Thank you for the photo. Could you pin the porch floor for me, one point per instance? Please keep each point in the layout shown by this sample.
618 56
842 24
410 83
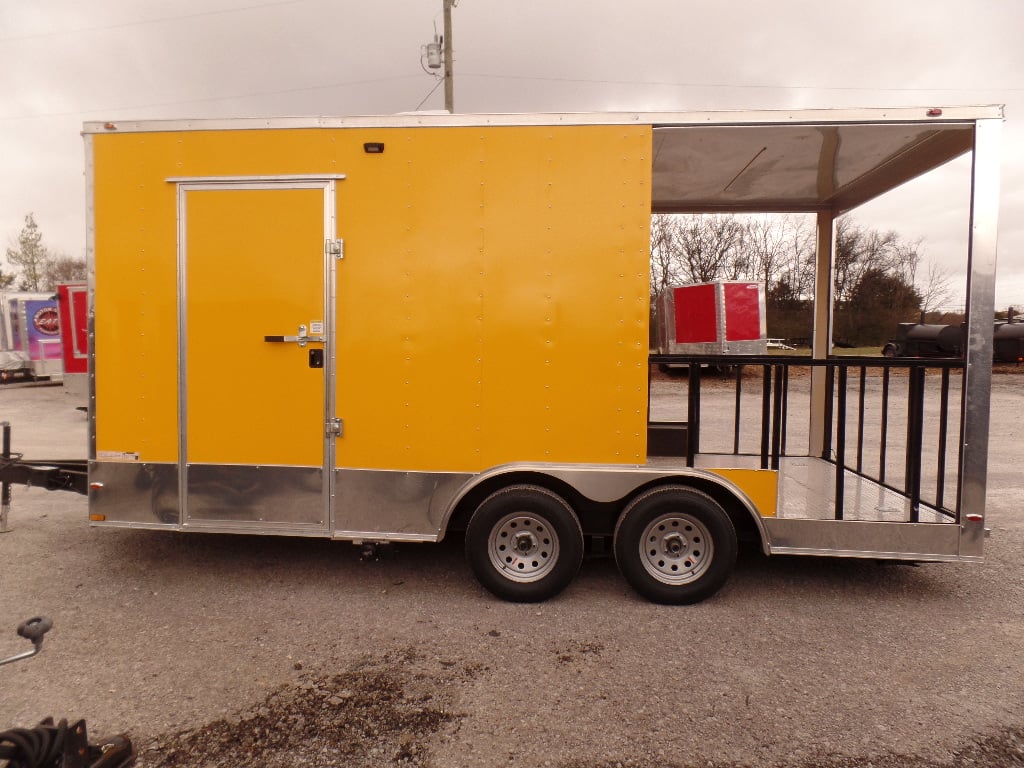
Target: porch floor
807 490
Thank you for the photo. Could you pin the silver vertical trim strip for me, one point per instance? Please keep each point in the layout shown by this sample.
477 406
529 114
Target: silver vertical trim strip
762 310
182 366
821 342
330 298
90 264
720 329
981 272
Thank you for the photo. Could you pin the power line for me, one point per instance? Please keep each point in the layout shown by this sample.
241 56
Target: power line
144 22
436 86
210 99
732 85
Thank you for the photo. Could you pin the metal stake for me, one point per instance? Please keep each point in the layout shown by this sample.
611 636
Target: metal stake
5 487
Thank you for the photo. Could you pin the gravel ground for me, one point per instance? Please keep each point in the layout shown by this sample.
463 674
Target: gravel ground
213 650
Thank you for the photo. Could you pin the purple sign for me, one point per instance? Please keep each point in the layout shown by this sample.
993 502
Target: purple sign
42 328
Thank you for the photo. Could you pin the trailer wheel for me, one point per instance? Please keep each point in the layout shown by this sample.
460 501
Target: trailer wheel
889 350
524 543
675 545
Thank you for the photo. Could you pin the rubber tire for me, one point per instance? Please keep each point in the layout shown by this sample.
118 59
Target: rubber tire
539 502
662 501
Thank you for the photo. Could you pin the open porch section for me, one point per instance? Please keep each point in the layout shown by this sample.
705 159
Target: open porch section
886 480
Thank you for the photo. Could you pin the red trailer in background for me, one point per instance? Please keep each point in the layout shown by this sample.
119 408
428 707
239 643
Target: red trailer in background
73 306
719 318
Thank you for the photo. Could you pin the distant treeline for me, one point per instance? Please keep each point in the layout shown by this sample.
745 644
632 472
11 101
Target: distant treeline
880 279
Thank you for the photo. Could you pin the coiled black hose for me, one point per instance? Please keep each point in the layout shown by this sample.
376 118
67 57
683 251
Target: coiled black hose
39 747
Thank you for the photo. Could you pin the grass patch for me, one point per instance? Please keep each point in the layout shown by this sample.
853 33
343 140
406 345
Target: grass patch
857 351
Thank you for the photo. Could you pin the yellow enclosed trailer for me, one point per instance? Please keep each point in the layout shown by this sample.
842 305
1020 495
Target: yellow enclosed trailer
383 329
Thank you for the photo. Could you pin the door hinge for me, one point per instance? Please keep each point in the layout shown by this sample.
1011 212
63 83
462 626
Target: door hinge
335 428
335 248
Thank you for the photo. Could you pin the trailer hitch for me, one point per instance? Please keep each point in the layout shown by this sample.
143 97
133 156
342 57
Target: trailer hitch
61 475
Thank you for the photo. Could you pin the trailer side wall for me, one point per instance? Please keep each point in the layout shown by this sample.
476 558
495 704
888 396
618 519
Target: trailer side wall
492 303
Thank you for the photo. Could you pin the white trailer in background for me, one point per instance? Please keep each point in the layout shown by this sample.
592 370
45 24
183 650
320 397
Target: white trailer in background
30 344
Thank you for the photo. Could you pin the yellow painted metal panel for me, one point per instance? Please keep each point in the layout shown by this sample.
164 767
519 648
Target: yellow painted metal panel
493 301
254 266
136 306
492 305
760 485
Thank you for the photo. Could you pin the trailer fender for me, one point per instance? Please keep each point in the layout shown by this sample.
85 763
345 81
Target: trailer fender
604 484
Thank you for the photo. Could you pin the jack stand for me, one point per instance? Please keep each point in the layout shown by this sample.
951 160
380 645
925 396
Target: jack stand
5 487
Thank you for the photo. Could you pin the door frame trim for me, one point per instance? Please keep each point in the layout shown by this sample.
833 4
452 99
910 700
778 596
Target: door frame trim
328 184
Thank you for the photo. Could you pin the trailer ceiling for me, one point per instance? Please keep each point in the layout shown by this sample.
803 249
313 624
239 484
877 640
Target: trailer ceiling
794 167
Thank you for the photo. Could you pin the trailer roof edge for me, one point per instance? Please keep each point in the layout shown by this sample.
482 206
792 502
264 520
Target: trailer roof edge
655 119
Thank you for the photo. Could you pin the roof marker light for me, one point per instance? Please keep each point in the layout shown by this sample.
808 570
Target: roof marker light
934 112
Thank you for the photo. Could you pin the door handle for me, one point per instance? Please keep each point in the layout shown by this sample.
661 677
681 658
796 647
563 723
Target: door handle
302 339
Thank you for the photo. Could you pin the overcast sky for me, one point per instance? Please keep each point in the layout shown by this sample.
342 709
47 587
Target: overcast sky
63 62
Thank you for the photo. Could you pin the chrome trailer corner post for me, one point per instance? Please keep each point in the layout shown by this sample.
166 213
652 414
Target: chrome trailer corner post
90 266
821 342
981 271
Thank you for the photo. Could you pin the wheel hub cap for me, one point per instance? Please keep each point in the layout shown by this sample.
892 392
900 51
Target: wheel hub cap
674 544
676 548
523 546
524 543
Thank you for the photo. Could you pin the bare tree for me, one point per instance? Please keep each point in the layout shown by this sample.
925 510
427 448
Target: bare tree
700 248
875 273
875 276
905 258
664 253
61 268
29 256
860 251
766 248
801 240
710 247
934 289
40 269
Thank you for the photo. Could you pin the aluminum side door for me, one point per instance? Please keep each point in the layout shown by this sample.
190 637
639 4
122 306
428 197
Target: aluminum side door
255 354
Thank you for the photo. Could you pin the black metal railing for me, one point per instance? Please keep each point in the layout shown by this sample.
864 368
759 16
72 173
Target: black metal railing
848 439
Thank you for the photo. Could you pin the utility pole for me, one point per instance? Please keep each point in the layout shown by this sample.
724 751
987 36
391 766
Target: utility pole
449 84
433 55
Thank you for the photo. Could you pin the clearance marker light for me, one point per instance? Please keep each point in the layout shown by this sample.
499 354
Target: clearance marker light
95 517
